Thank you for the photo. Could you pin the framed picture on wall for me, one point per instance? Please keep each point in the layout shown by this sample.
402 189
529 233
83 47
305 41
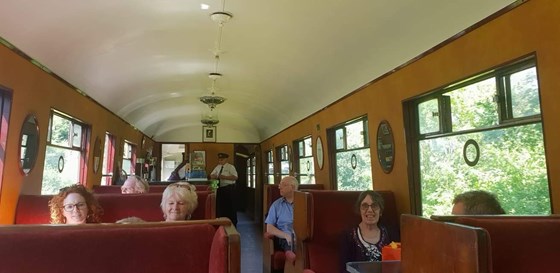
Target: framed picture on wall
198 159
208 133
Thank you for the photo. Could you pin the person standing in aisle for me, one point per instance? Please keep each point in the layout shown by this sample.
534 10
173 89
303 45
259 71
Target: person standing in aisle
225 199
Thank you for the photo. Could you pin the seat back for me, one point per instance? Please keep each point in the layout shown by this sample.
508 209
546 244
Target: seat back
117 189
193 246
34 209
521 244
439 247
98 189
311 187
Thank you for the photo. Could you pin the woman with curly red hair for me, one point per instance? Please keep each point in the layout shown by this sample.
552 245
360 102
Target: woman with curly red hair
75 205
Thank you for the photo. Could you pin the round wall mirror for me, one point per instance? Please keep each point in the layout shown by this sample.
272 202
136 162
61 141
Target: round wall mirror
29 144
385 146
96 154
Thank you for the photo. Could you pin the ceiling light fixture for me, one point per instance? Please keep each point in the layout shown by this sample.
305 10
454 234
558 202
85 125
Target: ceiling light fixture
210 118
221 17
213 100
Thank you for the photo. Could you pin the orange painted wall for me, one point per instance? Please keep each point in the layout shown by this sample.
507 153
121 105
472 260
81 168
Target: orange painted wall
531 27
36 92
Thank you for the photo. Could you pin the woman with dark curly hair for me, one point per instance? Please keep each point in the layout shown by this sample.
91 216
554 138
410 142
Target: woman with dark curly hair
75 205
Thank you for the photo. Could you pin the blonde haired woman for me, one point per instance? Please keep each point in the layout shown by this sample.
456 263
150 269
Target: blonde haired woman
178 201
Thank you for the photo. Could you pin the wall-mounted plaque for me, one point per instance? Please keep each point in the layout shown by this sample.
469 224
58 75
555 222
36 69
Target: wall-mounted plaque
385 146
29 144
319 152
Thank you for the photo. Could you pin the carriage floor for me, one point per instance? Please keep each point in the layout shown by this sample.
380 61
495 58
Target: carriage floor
251 244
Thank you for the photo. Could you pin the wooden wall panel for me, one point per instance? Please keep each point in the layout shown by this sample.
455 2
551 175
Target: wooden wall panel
510 36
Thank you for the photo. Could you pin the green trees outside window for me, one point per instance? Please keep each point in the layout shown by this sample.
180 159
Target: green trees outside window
500 112
353 160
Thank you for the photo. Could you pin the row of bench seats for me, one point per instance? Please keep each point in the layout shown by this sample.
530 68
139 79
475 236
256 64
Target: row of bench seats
498 244
493 244
153 188
34 209
211 246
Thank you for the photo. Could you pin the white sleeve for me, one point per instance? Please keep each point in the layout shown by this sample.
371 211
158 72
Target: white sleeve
215 171
232 170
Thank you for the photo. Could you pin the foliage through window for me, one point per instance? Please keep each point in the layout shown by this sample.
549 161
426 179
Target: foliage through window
269 168
283 159
500 111
353 160
65 153
305 165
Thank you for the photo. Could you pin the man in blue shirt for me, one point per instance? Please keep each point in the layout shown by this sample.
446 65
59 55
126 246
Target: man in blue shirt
280 219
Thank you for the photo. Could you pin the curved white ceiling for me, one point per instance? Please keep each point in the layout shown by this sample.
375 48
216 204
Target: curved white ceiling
148 60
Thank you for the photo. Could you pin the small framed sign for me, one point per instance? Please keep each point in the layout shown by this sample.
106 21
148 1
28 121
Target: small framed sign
208 133
385 146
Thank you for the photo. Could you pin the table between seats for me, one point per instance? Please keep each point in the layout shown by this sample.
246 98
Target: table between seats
374 267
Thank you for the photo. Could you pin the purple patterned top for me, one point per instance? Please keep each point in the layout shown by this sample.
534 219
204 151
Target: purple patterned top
355 248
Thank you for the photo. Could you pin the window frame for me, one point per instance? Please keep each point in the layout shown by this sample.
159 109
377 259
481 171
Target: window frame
298 156
269 157
109 157
84 140
332 145
504 110
282 157
132 150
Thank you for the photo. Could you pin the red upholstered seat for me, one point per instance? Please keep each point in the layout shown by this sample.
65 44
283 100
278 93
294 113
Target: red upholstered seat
151 248
153 188
34 209
521 244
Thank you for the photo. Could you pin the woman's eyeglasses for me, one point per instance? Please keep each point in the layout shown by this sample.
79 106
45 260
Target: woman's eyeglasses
365 206
70 207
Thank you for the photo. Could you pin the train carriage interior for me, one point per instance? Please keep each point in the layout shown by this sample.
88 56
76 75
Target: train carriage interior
425 103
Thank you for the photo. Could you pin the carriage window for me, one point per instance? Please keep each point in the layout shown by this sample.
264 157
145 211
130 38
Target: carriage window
428 116
305 166
251 175
493 141
270 167
108 160
353 160
282 154
523 93
65 154
129 158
